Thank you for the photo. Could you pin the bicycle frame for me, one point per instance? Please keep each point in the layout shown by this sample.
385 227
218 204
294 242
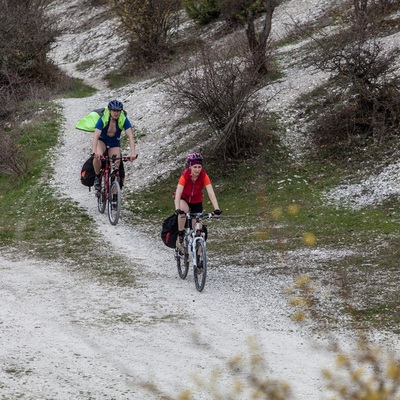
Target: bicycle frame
195 248
105 172
110 194
195 234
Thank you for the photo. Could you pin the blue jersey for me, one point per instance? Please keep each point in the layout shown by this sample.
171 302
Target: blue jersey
113 141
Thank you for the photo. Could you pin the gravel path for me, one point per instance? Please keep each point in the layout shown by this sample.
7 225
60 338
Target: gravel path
67 337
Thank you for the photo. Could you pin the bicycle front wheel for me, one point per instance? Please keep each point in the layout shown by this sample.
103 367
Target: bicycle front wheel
114 203
101 196
182 260
200 270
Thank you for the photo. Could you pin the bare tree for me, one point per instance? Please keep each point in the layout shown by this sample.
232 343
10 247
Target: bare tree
368 88
26 35
220 87
256 17
258 40
149 26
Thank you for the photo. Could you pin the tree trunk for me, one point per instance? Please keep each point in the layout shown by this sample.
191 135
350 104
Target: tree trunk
258 40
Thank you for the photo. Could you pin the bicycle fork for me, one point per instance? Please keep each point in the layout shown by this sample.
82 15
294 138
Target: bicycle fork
192 245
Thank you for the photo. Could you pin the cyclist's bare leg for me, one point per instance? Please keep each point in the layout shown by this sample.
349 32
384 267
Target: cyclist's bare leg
101 148
117 152
182 218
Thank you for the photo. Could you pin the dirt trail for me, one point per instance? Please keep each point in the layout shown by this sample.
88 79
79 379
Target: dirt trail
65 336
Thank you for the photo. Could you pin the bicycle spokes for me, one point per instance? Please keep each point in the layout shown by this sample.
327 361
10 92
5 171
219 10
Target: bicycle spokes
195 249
101 197
200 267
114 203
182 259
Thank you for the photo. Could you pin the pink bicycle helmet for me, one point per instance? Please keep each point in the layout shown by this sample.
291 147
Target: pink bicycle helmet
194 158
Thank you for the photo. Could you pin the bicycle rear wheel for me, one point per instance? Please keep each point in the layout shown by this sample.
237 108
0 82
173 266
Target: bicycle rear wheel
200 270
114 203
101 196
182 260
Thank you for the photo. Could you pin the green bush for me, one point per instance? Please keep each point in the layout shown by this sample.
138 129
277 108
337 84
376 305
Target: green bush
235 12
202 11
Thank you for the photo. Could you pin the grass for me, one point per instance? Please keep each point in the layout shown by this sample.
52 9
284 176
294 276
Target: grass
79 89
85 65
273 210
115 79
37 222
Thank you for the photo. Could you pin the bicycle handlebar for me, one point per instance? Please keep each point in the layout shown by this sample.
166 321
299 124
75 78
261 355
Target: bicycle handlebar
123 158
201 215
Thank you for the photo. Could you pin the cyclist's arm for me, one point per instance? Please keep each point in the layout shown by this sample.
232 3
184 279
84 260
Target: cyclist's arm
131 138
178 194
211 196
96 135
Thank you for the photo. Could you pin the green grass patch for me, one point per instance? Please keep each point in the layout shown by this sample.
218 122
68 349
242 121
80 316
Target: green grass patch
37 222
117 79
272 208
85 65
78 89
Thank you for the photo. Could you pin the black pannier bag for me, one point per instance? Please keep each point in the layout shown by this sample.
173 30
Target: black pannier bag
169 231
87 173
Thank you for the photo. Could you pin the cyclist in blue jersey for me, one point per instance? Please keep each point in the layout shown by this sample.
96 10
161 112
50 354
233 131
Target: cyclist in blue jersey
107 136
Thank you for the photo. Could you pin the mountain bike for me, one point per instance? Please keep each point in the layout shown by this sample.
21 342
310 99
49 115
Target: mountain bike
194 249
110 193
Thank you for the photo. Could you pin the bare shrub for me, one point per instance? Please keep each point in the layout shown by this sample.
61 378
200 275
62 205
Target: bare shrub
374 6
26 34
149 26
366 373
220 87
365 107
12 161
363 372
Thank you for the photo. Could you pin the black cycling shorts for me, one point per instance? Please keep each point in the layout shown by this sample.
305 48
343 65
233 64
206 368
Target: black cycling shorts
195 207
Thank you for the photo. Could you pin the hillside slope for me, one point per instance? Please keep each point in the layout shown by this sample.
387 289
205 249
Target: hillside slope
68 336
96 41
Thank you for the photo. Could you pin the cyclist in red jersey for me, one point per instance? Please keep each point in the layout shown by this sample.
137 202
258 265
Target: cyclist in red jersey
189 192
